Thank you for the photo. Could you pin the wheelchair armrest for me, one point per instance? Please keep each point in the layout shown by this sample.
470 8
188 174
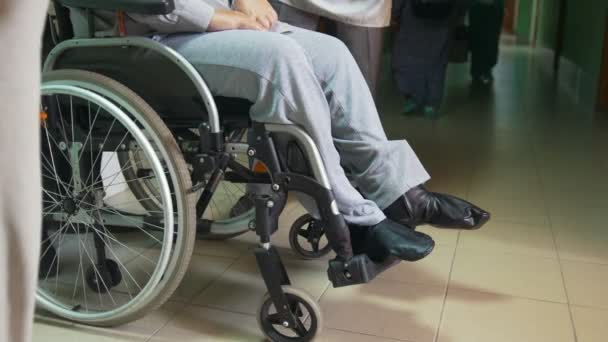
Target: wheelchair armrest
151 7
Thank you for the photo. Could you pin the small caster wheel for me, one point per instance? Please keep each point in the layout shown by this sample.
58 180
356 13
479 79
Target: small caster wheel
307 238
309 321
101 278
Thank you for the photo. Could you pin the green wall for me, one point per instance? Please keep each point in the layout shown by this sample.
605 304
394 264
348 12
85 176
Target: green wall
547 25
584 37
523 28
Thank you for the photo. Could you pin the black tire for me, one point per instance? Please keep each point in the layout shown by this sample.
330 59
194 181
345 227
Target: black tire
298 299
296 231
179 178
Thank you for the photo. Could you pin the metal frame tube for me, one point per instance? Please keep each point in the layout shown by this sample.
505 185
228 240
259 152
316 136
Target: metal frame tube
146 43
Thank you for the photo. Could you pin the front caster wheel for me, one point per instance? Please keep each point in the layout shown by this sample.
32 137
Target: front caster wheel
307 238
308 318
102 278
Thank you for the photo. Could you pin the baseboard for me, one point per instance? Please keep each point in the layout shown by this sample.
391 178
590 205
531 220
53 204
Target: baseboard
579 84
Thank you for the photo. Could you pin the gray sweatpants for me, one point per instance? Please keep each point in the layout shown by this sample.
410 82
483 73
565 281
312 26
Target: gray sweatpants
311 80
364 43
21 23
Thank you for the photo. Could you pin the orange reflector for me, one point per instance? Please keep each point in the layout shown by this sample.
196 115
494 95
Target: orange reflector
43 116
122 27
259 167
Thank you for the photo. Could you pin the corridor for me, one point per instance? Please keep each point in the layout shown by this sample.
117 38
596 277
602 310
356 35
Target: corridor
538 272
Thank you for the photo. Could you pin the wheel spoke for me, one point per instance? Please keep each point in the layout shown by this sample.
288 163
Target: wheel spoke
299 329
106 233
100 153
65 136
315 246
304 233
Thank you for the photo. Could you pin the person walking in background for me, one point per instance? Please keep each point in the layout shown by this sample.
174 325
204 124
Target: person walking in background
360 24
421 51
21 23
485 20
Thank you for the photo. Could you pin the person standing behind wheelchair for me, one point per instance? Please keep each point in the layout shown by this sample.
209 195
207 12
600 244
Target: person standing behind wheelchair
21 24
485 18
422 50
359 24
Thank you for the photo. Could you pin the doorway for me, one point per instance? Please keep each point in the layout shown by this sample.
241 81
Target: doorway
508 25
602 95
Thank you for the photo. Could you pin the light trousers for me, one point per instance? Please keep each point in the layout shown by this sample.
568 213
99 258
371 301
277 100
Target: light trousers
21 23
311 80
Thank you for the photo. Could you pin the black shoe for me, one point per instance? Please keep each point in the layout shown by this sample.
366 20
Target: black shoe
420 206
483 80
388 238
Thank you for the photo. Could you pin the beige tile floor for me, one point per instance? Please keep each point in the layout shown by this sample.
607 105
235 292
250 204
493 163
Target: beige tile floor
537 273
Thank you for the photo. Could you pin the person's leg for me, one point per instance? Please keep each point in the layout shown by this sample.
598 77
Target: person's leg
384 171
498 18
365 44
274 72
21 23
486 25
409 64
436 84
476 25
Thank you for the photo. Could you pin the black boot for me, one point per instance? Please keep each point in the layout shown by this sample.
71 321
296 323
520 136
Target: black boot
390 238
420 206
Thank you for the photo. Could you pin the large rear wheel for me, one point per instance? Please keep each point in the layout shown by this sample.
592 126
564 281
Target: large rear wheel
108 259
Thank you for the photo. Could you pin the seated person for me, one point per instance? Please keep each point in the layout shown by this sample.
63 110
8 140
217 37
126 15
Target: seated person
301 77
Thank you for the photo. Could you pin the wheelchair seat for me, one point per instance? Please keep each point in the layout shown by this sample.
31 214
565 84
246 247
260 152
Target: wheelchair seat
169 91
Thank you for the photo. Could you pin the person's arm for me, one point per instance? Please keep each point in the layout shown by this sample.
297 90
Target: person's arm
197 16
260 10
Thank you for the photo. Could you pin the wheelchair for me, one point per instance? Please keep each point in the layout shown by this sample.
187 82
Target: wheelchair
139 159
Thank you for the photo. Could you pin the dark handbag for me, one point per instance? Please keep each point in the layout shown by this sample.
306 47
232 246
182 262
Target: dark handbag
459 47
433 9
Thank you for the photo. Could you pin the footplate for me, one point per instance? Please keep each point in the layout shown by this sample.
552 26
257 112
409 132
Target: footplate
358 270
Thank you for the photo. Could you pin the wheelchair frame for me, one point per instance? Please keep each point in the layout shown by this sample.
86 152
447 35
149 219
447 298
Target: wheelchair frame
346 269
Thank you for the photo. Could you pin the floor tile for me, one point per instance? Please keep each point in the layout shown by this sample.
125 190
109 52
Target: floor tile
46 332
584 241
509 274
333 335
590 324
586 283
140 329
524 208
231 248
471 316
241 287
202 272
432 270
444 237
510 237
197 324
388 309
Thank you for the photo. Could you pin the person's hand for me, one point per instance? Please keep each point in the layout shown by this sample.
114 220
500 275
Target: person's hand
260 10
224 20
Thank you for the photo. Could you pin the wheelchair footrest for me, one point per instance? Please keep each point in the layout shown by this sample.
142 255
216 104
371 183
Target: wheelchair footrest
358 270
